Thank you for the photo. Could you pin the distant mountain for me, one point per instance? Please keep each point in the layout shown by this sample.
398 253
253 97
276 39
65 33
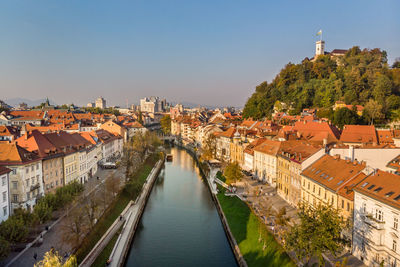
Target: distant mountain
16 101
192 105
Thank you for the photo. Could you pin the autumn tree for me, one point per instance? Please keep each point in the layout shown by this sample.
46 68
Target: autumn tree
233 173
209 149
91 205
166 124
112 185
373 111
53 259
74 227
318 232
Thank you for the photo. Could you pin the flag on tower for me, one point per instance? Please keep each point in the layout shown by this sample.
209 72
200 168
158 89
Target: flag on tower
319 33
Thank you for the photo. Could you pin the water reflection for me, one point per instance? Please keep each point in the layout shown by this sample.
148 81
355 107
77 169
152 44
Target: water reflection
180 225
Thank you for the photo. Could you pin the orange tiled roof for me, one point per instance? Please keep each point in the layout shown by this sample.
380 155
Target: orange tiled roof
333 172
37 143
382 186
313 129
228 133
268 147
11 153
359 134
298 150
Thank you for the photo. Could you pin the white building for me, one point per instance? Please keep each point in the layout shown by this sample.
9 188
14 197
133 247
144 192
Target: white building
26 177
376 230
265 161
100 103
152 104
5 193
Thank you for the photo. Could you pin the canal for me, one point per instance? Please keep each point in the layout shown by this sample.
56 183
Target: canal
180 225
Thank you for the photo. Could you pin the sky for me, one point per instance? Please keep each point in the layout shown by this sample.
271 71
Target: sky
209 52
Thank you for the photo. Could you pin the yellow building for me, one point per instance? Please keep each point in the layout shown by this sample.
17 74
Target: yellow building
293 157
329 181
237 146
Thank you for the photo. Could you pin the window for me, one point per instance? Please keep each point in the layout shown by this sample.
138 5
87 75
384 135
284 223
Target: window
28 195
37 178
3 181
27 182
15 198
379 215
26 169
37 166
15 185
4 196
313 189
394 245
325 195
319 191
364 207
342 204
14 170
5 211
32 167
396 223
348 206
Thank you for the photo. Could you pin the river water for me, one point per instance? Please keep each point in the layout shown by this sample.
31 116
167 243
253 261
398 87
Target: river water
180 225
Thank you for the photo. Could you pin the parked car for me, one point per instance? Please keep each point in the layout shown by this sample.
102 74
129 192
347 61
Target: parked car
109 165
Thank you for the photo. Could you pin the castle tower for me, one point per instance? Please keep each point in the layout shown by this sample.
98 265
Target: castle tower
319 48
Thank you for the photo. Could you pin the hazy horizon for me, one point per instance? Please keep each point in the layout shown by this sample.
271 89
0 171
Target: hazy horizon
209 52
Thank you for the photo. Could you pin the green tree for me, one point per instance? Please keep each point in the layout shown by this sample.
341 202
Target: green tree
166 124
4 248
345 116
233 173
318 232
43 211
325 113
14 229
140 117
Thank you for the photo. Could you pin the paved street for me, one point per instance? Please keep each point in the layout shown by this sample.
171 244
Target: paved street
260 196
53 238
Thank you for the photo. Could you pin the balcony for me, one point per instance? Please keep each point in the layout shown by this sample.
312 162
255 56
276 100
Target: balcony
36 186
373 222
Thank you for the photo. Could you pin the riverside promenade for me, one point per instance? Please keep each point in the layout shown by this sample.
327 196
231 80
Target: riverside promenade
132 216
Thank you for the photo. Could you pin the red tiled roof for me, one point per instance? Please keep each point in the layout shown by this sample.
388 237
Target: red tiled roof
359 134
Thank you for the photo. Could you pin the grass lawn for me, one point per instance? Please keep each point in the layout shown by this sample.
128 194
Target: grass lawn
105 254
246 228
113 211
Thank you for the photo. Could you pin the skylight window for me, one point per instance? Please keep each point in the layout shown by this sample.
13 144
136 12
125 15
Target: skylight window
378 189
389 194
318 172
397 198
364 184
330 178
340 182
372 186
322 174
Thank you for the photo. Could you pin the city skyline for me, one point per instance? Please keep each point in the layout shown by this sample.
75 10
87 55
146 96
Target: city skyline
204 53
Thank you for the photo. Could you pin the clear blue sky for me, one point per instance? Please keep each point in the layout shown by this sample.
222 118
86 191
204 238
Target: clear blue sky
208 52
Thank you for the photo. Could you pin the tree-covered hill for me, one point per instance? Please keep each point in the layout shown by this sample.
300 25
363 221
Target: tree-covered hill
355 78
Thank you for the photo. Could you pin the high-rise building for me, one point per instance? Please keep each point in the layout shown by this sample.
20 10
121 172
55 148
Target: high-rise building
152 104
100 103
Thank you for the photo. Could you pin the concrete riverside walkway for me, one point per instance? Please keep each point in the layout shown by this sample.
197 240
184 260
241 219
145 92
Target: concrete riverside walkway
130 217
